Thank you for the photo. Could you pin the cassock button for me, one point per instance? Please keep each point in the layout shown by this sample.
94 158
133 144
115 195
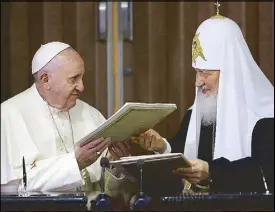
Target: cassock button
61 148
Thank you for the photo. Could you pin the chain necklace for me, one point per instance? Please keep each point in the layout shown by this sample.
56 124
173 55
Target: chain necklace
72 132
84 172
213 139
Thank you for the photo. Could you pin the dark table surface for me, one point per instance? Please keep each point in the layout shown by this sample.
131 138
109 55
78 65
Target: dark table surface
51 201
184 202
219 202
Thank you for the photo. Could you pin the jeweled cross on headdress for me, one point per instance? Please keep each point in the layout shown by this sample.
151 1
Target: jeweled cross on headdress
217 4
217 16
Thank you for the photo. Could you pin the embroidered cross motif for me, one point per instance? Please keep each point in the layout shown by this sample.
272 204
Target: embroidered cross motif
197 49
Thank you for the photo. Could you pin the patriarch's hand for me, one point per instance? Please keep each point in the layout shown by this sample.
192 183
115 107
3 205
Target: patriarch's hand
197 173
151 141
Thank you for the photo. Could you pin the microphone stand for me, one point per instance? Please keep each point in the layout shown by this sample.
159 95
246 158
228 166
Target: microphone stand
143 201
102 202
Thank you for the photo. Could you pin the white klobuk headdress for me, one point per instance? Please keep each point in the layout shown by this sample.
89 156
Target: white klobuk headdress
245 95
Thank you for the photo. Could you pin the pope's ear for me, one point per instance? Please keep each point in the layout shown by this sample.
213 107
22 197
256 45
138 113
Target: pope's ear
44 78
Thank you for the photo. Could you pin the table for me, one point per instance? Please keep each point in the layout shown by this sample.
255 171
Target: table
44 202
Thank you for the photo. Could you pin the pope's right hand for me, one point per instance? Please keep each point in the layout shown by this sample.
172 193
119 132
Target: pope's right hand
90 152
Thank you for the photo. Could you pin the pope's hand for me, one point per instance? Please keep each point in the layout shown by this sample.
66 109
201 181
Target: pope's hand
90 152
197 173
119 149
151 141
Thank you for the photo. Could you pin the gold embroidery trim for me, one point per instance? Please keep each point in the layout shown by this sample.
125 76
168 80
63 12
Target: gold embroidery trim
218 17
197 49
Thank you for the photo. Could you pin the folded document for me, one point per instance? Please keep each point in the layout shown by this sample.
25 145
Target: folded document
154 165
130 120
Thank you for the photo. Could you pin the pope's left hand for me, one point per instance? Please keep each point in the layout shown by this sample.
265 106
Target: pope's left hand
151 141
196 174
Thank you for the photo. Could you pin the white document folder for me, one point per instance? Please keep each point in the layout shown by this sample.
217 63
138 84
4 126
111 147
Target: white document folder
130 120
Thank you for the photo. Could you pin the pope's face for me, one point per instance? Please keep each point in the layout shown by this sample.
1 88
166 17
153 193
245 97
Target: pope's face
65 83
208 80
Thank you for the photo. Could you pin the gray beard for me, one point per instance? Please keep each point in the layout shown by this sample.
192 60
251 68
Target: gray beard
207 107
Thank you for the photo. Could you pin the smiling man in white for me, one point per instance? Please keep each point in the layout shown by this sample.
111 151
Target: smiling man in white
43 123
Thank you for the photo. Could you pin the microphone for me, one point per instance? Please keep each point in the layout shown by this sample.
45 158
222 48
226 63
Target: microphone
142 202
264 181
103 201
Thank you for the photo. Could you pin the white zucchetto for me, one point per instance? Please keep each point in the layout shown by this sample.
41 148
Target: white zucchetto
46 53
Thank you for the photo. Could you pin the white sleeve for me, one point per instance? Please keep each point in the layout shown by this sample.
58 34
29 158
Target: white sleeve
168 147
58 173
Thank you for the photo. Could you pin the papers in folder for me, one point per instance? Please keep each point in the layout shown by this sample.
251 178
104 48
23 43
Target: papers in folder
154 165
130 120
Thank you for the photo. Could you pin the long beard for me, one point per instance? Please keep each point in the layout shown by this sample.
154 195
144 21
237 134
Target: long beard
207 107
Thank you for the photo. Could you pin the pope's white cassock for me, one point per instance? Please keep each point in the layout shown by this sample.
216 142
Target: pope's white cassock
27 129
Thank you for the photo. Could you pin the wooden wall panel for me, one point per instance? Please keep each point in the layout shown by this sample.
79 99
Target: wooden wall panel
128 79
36 31
53 21
141 51
85 46
204 9
100 62
5 52
157 69
250 28
157 52
180 74
19 39
266 39
159 55
190 26
69 20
